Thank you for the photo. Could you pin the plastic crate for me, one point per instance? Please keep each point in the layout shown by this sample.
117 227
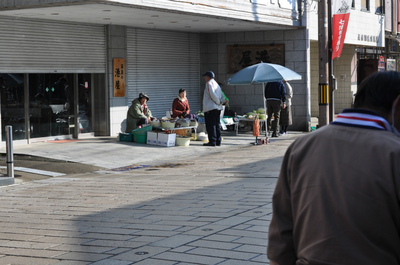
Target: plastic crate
125 137
143 130
140 138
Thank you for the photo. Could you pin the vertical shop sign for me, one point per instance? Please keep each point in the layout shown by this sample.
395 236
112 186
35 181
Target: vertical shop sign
119 77
390 64
381 63
340 20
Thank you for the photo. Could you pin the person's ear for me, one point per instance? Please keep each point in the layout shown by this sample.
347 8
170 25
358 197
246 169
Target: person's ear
396 114
396 105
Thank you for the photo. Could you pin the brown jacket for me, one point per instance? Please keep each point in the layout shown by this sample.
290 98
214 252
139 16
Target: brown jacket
179 107
337 199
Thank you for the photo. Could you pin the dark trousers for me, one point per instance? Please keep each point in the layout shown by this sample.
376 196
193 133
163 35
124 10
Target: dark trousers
212 119
273 108
141 121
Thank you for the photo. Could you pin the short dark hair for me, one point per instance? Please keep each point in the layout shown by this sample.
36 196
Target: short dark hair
182 90
378 91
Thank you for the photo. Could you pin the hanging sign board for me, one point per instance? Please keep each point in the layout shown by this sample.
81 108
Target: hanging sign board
391 65
119 77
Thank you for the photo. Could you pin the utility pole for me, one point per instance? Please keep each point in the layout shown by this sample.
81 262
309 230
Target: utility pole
332 79
323 85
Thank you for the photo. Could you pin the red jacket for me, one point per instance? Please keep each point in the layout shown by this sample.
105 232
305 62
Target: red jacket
179 107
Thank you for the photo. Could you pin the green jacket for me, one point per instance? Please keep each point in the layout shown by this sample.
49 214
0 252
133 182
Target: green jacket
135 113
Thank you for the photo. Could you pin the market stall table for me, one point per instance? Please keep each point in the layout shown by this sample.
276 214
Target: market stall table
262 124
183 128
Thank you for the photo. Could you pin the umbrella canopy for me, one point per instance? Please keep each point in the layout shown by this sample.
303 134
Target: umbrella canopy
263 73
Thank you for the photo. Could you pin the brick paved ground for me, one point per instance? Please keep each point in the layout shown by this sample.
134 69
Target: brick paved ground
214 209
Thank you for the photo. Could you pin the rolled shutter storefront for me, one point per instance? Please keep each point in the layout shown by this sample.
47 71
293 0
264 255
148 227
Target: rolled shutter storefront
40 46
160 63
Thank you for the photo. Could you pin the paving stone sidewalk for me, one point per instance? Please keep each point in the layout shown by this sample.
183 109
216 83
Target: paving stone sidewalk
211 209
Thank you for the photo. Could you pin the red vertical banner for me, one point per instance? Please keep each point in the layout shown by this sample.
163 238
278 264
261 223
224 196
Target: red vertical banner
398 16
381 63
340 20
119 77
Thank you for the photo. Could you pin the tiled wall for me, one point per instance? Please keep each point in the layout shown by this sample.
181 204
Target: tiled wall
345 71
118 105
245 98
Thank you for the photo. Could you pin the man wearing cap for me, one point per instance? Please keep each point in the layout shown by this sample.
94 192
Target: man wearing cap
213 99
138 113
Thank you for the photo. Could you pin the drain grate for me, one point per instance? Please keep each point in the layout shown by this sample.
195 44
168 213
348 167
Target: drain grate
167 165
173 165
128 168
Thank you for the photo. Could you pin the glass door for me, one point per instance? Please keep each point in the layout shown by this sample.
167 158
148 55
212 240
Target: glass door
85 120
46 105
12 104
51 101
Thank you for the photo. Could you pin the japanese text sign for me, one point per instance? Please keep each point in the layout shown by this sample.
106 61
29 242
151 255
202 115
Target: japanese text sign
119 77
242 56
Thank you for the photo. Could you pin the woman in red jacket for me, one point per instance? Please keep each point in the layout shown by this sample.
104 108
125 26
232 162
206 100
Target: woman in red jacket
180 106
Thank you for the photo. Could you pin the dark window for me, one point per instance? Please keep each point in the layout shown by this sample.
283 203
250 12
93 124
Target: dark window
364 5
379 7
12 104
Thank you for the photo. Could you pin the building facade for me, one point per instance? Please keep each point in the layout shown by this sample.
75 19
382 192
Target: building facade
365 32
72 68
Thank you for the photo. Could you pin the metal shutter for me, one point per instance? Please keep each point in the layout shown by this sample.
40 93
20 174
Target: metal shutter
33 46
159 63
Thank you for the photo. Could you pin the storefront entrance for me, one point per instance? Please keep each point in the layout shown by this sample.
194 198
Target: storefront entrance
50 105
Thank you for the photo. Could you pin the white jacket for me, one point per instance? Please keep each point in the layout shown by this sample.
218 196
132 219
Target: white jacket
213 97
289 94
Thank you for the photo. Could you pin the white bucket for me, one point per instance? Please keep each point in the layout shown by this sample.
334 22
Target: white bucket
156 123
182 141
167 125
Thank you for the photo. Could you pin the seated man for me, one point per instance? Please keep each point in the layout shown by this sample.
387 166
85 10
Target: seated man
138 113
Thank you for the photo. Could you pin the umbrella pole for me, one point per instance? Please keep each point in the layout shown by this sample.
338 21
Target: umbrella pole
265 112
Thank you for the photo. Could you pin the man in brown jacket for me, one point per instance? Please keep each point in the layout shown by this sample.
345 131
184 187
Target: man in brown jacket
337 199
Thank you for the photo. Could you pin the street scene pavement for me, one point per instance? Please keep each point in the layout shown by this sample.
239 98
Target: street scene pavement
120 203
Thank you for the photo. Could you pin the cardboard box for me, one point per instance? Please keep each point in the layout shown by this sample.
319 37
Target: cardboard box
152 138
166 139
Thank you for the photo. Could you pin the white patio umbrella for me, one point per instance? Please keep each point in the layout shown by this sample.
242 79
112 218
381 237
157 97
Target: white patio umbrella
262 73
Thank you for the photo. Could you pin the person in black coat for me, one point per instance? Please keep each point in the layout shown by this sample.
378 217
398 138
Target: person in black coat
275 94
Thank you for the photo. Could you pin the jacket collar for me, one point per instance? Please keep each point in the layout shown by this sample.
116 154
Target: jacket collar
362 118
